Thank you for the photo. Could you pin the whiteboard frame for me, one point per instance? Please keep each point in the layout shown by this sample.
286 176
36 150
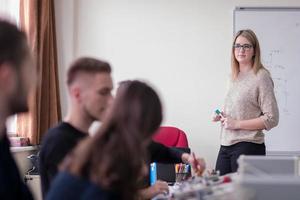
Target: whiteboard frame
261 9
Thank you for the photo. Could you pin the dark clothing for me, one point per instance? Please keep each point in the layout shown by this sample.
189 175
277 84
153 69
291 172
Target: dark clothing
58 142
163 154
11 185
67 186
228 155
160 153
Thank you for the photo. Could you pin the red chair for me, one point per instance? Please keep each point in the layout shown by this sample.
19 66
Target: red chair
171 137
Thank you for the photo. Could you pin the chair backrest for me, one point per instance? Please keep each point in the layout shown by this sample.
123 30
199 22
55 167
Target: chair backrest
171 137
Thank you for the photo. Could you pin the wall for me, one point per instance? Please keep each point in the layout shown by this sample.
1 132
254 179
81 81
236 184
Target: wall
182 47
65 31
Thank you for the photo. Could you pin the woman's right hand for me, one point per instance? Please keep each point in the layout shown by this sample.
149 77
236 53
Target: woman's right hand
217 117
160 187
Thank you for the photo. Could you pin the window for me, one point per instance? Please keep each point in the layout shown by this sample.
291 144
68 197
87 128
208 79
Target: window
9 9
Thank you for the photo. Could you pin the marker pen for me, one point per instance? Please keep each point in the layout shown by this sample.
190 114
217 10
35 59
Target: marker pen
218 112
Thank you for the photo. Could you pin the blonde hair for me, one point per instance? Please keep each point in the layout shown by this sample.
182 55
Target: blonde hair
256 60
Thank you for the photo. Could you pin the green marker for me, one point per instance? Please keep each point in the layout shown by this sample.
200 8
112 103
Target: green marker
218 112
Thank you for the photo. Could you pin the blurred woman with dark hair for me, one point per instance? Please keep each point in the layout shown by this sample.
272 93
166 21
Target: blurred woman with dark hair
110 164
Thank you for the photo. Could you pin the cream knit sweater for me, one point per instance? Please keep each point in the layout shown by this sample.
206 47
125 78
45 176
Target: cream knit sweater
250 96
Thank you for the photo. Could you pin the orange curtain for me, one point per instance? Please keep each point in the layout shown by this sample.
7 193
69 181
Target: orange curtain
37 19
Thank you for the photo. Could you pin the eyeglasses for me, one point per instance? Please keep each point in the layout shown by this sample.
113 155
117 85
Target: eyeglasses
245 47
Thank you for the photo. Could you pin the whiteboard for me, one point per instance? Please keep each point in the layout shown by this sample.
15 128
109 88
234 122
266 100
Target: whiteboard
278 32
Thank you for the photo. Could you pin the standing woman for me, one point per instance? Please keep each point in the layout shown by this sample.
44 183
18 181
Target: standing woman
109 165
250 104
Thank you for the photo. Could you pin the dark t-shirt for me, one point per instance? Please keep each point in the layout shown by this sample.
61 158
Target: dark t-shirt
11 184
58 142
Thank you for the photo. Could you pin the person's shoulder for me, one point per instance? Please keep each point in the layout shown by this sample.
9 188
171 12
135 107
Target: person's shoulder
65 176
58 130
263 73
94 191
57 133
264 78
67 185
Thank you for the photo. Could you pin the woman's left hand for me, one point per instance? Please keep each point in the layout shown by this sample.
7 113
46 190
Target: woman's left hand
230 123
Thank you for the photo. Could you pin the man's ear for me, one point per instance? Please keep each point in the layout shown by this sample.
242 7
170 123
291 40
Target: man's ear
75 93
8 77
5 71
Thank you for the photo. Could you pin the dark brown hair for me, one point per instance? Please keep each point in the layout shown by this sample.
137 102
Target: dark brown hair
13 44
115 156
87 65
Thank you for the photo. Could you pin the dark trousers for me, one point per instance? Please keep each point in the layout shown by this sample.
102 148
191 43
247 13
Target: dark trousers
228 155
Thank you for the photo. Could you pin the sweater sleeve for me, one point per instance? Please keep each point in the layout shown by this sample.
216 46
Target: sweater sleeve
160 153
267 101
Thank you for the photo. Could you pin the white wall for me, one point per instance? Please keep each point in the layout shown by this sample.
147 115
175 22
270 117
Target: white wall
65 36
181 46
